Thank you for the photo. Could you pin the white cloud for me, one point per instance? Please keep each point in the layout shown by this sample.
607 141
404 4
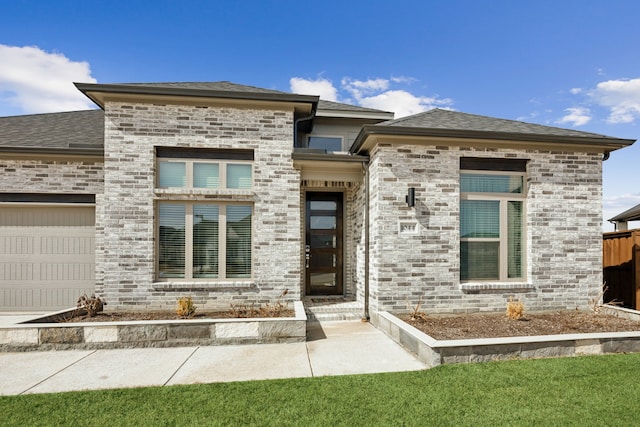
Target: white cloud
40 82
403 103
576 116
320 87
361 88
379 93
575 90
621 97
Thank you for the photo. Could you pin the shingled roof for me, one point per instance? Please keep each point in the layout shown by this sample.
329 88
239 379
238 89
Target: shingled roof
81 132
454 124
632 214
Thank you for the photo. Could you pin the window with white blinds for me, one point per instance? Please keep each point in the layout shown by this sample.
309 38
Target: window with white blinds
190 173
204 240
492 223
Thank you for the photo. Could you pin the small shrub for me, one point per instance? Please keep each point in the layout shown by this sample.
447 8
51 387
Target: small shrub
414 311
186 308
277 308
92 304
515 309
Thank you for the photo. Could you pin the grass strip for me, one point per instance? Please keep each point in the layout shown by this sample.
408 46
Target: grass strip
596 390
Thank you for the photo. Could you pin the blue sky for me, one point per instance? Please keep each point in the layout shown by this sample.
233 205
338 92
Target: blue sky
566 63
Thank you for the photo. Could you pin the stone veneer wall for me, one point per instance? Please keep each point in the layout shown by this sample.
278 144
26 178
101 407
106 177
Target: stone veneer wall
563 231
125 215
51 176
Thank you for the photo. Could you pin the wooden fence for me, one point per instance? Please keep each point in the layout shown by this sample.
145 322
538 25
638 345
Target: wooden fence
621 266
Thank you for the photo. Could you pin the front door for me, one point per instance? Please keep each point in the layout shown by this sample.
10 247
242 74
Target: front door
323 250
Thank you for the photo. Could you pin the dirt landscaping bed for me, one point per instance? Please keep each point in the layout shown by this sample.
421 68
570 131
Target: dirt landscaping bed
494 325
126 316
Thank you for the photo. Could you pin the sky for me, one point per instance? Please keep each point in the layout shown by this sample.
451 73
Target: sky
566 63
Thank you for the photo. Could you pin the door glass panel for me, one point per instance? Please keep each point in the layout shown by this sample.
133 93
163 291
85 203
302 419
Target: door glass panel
323 260
323 205
323 279
323 241
322 222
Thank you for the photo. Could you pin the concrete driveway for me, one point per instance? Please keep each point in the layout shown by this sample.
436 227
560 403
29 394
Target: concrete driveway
332 348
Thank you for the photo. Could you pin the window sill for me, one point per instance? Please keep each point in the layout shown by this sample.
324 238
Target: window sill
495 287
207 286
207 194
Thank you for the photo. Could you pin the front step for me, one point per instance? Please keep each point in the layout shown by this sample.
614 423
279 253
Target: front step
332 308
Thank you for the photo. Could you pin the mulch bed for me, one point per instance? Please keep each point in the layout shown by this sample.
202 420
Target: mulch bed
493 325
123 316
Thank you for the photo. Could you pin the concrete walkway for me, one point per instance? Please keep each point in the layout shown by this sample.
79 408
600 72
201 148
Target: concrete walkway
332 348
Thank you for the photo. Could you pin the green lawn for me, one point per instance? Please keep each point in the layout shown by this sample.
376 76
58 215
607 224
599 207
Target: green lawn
586 391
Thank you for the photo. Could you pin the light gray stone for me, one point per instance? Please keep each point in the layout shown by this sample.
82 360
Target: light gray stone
237 330
19 336
93 334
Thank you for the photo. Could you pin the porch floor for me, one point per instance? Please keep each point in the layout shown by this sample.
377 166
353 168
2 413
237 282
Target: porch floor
327 308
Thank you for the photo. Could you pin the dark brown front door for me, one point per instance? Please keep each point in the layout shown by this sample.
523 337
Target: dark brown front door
323 250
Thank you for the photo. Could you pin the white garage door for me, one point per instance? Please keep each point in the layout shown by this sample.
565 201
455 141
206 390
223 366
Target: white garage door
47 256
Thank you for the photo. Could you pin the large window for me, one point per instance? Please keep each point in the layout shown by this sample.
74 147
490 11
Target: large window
204 240
200 239
328 143
492 220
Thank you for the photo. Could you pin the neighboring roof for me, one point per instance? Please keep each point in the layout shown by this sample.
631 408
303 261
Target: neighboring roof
632 214
453 124
223 89
338 109
79 132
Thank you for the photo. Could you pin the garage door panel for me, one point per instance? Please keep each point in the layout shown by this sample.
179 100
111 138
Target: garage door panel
48 256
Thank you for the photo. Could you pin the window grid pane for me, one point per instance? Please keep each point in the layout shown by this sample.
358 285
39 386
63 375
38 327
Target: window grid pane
172 174
238 176
514 239
479 219
479 183
205 241
172 240
238 241
479 260
206 175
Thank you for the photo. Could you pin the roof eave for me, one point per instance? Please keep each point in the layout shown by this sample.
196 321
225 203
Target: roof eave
95 93
608 144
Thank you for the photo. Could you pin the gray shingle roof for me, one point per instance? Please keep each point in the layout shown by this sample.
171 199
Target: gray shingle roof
223 86
339 106
452 124
80 131
446 119
632 214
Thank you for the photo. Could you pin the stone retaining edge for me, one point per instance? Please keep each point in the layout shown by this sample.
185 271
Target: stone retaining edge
434 352
156 333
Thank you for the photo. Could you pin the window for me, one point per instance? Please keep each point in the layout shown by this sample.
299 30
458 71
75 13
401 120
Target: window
204 240
199 239
180 167
328 143
179 173
492 219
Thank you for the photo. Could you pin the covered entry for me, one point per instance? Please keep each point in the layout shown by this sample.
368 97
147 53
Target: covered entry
47 255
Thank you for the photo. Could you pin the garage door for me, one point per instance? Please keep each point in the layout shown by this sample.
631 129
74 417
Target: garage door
47 256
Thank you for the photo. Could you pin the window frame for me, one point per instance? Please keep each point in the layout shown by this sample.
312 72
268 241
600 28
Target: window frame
189 176
188 241
503 247
340 137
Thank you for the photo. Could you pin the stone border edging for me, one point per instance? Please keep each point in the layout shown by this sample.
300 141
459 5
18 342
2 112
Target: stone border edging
434 352
153 333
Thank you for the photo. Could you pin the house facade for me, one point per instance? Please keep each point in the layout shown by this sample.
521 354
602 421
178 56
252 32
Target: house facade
233 194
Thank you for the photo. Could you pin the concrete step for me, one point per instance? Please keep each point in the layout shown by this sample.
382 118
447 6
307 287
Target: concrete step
327 309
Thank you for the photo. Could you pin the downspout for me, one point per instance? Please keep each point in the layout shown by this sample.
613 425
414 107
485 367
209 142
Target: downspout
297 121
366 316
